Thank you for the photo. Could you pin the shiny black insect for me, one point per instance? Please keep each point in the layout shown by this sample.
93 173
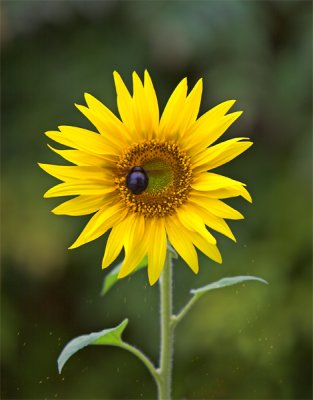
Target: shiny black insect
137 180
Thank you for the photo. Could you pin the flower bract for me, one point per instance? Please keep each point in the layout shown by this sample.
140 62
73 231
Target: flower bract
146 178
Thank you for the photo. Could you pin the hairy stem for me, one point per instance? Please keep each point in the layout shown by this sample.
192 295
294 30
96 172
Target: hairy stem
167 331
177 318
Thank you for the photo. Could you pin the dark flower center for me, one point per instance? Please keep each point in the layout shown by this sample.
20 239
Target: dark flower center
153 178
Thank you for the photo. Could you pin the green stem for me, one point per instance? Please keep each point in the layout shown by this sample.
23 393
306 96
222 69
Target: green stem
167 339
177 318
143 358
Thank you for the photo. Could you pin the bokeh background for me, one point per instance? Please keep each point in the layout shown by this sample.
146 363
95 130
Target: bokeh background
246 342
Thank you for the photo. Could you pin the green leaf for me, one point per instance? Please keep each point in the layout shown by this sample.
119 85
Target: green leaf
110 337
112 277
197 293
234 280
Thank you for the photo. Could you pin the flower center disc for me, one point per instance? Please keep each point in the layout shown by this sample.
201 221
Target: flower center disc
170 176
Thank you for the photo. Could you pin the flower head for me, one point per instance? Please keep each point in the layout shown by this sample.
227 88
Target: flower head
147 178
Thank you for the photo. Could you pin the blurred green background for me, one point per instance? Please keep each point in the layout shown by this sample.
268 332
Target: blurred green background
246 342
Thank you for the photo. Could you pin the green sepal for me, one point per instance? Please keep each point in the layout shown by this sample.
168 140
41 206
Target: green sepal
234 280
112 277
110 337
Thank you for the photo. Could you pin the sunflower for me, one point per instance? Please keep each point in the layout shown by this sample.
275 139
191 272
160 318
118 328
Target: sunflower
147 179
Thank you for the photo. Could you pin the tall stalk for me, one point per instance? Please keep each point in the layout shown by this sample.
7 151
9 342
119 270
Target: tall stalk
167 331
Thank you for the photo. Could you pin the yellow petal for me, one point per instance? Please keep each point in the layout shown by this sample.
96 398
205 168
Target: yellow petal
79 188
84 159
115 241
212 221
205 135
110 137
135 243
70 173
210 181
205 155
113 126
227 187
102 221
142 116
210 250
220 154
193 222
156 248
136 231
152 101
192 107
124 102
216 207
81 205
226 193
181 243
81 139
172 111
130 264
211 116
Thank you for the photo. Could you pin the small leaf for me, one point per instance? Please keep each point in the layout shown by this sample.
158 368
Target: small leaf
234 280
112 277
197 293
110 337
